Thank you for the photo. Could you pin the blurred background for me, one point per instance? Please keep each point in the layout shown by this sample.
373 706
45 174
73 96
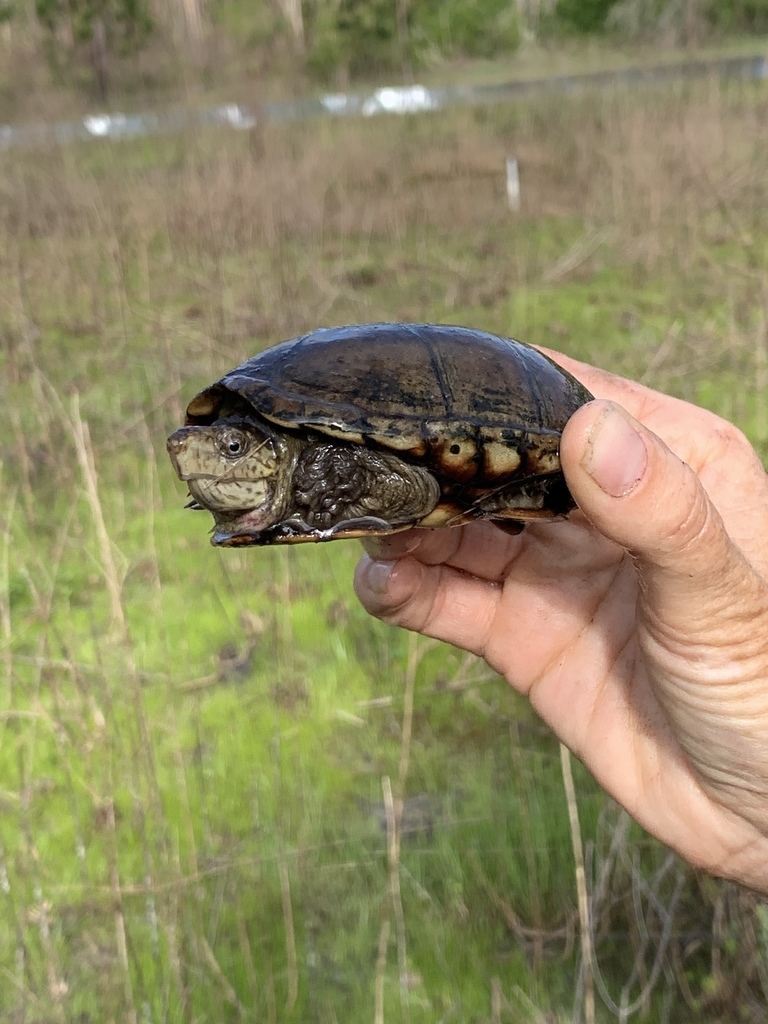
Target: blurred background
227 795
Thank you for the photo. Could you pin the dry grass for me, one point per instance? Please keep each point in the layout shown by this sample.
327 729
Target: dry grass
182 735
251 226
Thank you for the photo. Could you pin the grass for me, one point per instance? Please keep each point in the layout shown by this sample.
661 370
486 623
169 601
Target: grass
202 754
582 56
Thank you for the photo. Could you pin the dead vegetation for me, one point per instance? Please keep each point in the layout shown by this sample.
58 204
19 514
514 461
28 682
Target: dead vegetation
159 846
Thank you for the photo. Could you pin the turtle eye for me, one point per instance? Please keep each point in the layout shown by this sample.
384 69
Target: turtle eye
233 443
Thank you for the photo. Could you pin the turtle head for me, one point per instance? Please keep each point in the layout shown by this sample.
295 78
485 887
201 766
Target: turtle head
238 470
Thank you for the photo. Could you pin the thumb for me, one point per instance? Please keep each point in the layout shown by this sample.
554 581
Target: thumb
638 493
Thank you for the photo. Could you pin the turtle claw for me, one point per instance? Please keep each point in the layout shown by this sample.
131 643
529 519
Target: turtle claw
290 531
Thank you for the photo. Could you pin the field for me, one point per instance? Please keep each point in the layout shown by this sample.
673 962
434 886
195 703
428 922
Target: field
203 753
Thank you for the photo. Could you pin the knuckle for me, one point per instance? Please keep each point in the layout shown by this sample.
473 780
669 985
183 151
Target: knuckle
731 441
725 442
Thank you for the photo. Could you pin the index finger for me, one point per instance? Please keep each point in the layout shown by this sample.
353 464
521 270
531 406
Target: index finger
479 548
660 412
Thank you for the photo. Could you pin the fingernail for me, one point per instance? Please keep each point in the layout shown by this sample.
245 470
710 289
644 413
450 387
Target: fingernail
377 576
616 455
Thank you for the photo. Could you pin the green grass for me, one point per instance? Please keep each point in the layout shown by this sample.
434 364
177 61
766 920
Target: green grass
195 745
580 56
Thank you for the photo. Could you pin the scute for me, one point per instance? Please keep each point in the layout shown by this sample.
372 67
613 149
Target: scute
499 459
418 389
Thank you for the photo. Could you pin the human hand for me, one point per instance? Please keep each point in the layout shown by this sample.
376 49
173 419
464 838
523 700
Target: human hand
638 628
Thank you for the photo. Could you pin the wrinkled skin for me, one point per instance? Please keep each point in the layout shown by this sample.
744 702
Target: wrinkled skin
638 628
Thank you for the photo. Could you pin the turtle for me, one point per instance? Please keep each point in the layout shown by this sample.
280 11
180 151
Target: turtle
369 429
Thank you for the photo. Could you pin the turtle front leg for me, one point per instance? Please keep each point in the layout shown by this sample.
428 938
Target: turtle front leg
350 490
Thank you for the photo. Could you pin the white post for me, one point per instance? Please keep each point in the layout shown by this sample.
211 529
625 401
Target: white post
513 184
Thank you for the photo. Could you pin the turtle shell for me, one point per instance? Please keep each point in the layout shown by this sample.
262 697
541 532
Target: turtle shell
474 408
